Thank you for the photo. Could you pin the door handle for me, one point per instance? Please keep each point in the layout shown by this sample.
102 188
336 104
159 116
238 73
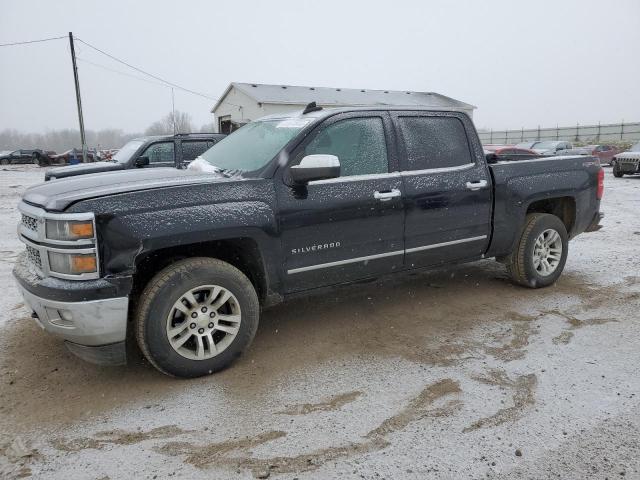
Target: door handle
386 195
480 184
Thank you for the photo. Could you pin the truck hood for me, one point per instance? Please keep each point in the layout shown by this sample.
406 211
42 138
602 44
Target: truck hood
73 170
58 195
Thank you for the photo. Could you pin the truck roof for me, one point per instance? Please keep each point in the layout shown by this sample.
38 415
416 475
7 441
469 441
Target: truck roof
326 112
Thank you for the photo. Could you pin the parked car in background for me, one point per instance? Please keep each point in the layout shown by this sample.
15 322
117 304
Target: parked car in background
74 153
145 152
550 147
526 145
574 151
510 152
107 154
604 152
627 163
36 156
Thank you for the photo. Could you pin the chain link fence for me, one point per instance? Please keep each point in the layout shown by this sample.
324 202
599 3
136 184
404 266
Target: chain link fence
619 133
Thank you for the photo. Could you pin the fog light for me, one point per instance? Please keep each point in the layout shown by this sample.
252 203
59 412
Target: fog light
72 263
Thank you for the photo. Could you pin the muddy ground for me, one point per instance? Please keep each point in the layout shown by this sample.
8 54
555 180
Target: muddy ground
445 375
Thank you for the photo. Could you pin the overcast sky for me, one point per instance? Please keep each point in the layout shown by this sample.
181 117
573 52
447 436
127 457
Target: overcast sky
521 63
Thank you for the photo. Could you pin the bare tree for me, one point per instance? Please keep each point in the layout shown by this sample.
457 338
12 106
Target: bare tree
165 126
65 139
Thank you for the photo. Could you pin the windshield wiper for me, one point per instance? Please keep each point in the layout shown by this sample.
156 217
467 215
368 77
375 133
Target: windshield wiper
230 172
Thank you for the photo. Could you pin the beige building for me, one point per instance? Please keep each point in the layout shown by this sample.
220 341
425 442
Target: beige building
243 102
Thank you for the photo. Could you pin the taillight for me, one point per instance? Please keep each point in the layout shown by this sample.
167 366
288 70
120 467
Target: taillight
600 190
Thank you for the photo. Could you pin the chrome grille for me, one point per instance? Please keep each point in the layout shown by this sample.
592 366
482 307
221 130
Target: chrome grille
34 256
30 222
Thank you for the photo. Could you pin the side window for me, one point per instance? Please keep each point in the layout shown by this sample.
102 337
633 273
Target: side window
191 149
434 142
359 144
160 152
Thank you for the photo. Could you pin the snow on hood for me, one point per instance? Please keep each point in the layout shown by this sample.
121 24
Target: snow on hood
201 165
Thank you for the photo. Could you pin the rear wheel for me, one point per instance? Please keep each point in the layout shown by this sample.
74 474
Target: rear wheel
4 161
541 252
196 317
617 172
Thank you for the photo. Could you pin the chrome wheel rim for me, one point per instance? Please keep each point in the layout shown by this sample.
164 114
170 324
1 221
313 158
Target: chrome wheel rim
547 252
203 322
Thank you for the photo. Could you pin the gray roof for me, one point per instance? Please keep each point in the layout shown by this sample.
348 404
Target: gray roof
295 95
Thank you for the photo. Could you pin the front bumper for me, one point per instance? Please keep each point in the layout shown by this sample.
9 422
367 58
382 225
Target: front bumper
95 330
628 166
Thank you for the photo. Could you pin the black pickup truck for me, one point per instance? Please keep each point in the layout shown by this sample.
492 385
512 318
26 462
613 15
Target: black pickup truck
146 152
184 260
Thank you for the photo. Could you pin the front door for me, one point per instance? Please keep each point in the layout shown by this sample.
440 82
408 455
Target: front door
447 188
160 154
350 227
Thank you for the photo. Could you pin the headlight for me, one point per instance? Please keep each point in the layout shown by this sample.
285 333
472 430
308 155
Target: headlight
72 263
69 229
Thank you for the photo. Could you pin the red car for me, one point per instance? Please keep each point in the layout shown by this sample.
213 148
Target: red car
510 152
604 152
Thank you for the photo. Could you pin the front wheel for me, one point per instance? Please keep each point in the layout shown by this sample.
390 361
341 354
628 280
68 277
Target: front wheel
617 172
196 317
541 252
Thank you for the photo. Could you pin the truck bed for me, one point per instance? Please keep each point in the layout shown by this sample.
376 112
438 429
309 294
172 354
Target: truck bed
518 184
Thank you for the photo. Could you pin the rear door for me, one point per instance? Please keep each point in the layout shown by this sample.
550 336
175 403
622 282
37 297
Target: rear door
447 188
350 227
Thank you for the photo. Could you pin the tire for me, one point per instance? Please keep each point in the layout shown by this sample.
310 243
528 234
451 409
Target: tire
164 308
35 159
522 265
616 170
4 161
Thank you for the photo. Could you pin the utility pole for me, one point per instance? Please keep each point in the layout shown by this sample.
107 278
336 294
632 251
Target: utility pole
78 100
173 111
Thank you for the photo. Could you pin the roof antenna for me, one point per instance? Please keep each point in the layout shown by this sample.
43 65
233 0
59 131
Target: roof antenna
312 107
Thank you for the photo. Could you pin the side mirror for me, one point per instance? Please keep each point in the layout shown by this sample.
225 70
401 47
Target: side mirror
315 167
142 161
491 157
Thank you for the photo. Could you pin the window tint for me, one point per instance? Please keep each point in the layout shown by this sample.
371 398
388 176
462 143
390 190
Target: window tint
160 152
359 144
191 149
434 142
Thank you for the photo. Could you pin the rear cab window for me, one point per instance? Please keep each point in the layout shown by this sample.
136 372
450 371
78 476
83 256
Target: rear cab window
434 142
194 148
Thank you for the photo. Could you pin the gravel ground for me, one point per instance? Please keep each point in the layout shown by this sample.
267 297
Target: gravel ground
442 375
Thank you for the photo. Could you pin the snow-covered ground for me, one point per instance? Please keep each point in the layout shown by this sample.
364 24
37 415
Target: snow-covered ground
450 374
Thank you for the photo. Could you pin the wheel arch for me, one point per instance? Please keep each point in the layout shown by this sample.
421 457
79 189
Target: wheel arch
562 207
242 252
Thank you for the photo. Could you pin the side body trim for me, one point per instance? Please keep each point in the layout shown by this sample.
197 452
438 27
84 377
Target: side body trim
383 255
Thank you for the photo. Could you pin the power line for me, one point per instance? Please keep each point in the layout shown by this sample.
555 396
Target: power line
165 83
122 73
31 41
146 73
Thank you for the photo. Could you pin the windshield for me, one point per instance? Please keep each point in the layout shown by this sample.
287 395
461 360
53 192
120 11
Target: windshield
544 145
126 152
635 148
253 145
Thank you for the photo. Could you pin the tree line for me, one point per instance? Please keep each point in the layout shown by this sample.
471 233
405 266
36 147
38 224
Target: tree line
65 139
